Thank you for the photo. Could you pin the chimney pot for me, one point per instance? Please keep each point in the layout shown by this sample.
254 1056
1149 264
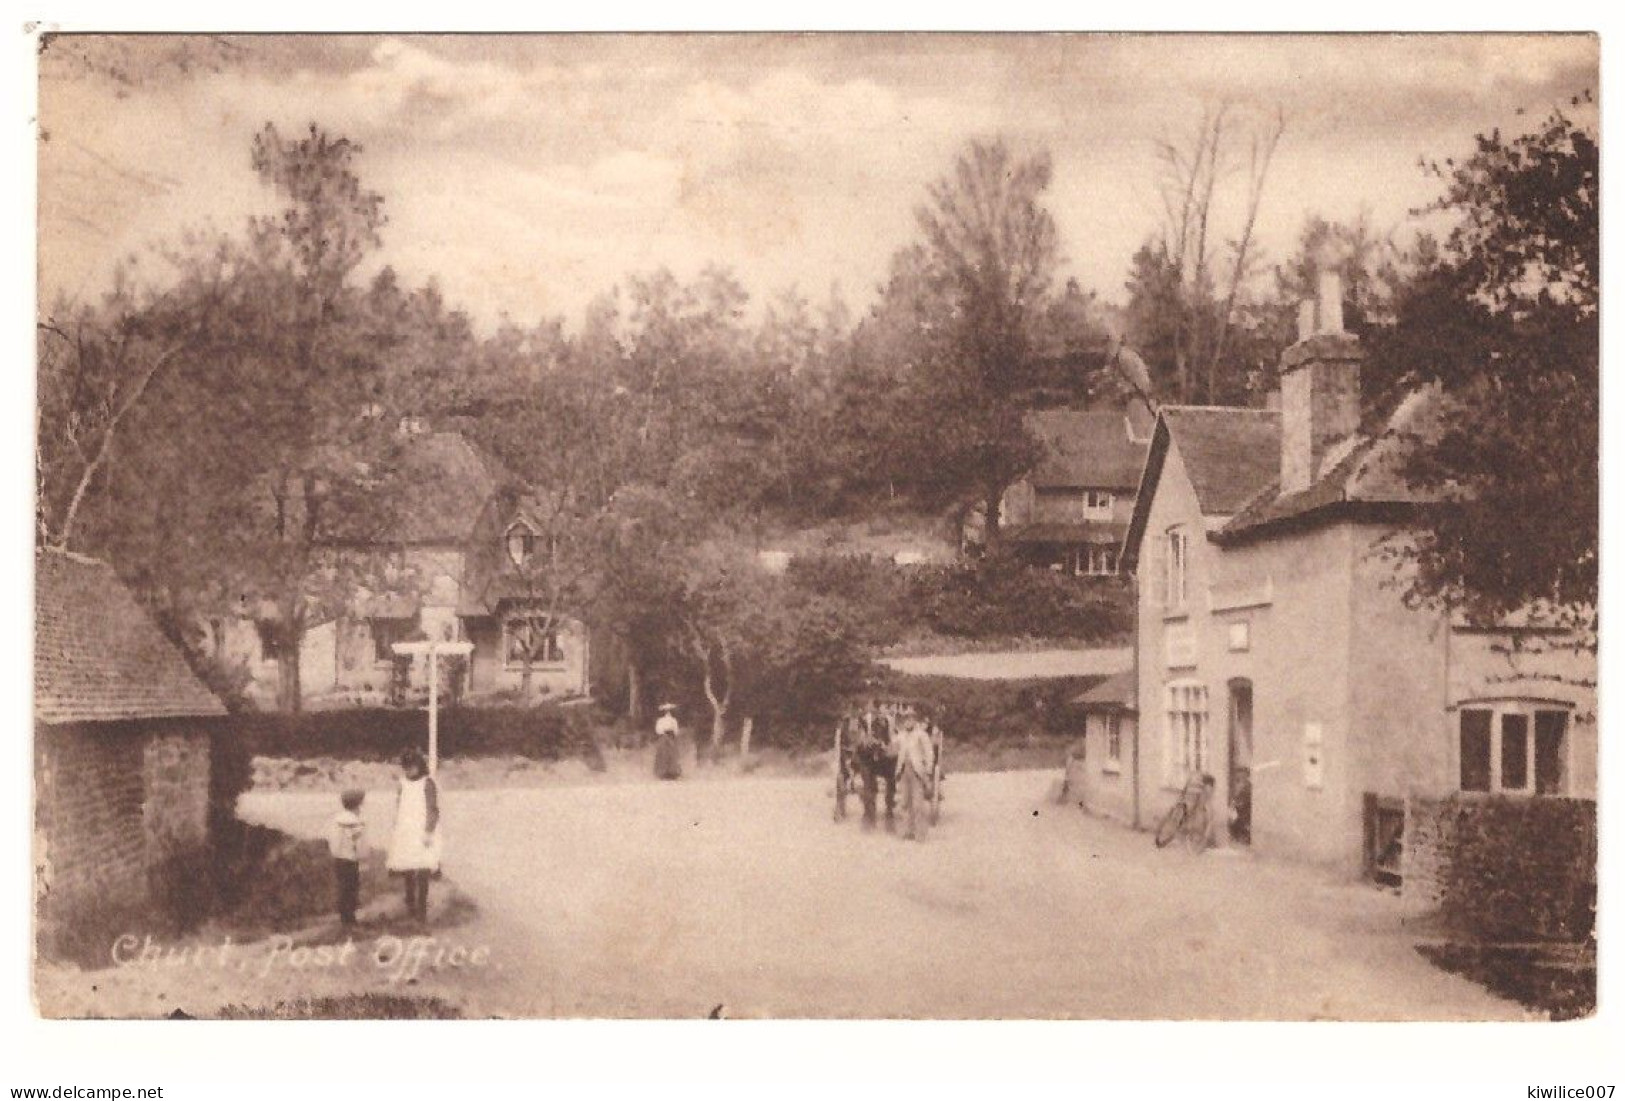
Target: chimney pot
1306 319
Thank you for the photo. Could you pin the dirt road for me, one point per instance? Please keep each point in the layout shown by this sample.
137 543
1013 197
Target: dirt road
669 899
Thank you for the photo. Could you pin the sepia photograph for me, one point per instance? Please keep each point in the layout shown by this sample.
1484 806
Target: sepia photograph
862 526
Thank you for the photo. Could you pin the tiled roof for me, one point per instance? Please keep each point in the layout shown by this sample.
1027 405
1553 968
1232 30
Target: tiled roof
1116 692
1087 531
1366 474
1086 449
446 483
1230 454
98 655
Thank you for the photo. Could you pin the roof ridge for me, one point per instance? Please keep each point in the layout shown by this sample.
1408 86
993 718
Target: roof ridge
1218 409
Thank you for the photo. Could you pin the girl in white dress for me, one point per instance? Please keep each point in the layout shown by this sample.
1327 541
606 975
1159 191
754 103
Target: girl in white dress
414 847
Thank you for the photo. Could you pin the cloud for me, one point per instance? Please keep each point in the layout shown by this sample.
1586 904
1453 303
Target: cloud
532 171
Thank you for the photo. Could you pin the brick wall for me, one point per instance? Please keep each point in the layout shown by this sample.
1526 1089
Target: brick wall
111 800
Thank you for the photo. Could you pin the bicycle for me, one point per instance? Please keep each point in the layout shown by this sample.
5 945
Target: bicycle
1191 817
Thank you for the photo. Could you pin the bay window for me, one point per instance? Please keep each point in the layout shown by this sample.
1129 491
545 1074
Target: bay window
1513 747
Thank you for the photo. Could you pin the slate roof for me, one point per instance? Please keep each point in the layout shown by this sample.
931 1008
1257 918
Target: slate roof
1365 477
1115 693
1086 449
1230 454
98 655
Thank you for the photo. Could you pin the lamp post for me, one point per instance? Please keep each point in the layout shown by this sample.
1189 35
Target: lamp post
433 650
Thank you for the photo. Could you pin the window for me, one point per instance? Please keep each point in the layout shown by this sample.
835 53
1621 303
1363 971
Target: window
1517 748
1097 504
1097 561
270 641
1175 559
386 632
1114 737
1551 752
521 544
528 638
1185 731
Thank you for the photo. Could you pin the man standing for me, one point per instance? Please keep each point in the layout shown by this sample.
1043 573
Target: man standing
915 757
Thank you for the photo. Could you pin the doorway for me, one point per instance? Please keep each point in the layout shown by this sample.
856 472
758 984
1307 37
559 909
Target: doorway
1241 761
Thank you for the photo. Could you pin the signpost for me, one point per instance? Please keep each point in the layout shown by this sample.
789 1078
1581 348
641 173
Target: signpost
433 650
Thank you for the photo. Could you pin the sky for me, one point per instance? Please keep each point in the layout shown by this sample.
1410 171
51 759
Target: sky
529 174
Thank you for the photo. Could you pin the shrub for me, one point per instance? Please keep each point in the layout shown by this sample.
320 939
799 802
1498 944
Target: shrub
231 772
1001 597
1521 869
546 733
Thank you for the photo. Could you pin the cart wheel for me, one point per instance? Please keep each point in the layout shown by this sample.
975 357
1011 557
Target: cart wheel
840 778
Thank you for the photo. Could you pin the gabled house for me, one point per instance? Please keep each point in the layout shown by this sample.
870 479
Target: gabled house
1071 511
460 517
122 732
1275 649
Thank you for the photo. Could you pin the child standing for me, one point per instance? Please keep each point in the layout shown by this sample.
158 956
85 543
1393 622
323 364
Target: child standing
414 848
344 842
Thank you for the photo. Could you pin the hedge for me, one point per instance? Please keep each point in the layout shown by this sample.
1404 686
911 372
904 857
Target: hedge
546 733
990 598
972 712
1513 869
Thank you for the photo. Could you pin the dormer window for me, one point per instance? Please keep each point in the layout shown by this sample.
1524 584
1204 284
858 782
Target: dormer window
521 541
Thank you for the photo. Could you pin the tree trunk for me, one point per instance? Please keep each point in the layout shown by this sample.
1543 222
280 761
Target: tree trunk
992 520
719 727
744 739
634 692
289 694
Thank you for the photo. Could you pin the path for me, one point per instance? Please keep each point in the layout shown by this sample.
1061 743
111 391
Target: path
664 900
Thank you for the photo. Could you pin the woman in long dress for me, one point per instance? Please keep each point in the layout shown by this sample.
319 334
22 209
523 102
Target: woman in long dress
668 753
414 847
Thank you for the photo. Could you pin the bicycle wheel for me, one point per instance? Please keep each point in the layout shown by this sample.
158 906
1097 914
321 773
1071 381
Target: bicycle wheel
1196 828
1168 828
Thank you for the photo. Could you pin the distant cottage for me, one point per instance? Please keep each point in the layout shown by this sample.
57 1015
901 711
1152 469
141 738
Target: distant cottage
121 739
462 561
1071 511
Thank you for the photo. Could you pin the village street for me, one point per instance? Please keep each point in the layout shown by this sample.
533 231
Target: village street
664 900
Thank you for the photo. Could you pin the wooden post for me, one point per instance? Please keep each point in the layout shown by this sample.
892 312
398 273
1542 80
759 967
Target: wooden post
434 710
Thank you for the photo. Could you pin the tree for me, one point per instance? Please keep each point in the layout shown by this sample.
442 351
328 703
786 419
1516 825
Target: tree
1503 315
971 296
97 365
1187 284
300 463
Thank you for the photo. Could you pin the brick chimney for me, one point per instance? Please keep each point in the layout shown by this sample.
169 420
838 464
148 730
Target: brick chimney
1320 386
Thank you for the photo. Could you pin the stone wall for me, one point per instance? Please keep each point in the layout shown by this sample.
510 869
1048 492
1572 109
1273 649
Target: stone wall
175 814
111 800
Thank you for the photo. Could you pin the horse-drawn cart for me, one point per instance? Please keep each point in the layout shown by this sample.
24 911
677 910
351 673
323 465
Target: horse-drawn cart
866 759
